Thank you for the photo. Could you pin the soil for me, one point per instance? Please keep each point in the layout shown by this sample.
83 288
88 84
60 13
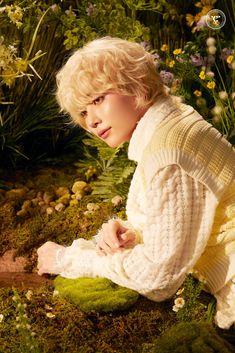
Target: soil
13 274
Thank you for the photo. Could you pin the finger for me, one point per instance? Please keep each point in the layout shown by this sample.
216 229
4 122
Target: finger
99 251
40 272
128 236
105 247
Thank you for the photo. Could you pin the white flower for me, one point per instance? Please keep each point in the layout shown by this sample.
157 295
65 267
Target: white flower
211 49
217 110
29 294
116 200
175 308
210 41
50 315
180 291
210 74
179 302
56 292
223 95
1 318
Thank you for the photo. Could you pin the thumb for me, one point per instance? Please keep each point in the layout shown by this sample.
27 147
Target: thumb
128 235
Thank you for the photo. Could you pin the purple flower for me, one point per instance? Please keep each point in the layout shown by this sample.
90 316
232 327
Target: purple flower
146 45
196 59
70 12
179 59
167 77
225 52
201 23
90 9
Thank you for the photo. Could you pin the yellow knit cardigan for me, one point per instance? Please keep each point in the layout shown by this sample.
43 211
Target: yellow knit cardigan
186 139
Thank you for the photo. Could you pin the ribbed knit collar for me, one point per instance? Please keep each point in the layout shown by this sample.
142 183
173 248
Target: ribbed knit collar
147 125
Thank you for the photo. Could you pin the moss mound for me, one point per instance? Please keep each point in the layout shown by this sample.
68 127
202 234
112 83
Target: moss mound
189 337
95 294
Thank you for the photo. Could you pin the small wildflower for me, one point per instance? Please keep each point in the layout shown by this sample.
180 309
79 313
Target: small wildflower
29 294
216 119
164 47
50 315
90 9
225 52
201 102
14 298
223 95
54 7
177 51
56 292
180 291
167 77
197 93
202 75
210 41
230 59
210 74
179 302
171 63
211 84
196 59
175 308
217 110
1 318
116 200
211 49
146 45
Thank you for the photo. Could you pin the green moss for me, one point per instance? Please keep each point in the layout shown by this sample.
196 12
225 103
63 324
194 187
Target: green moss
189 338
96 294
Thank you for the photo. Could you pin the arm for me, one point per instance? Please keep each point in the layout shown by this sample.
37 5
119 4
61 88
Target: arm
179 215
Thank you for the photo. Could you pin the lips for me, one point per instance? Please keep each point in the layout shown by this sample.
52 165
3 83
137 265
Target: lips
104 133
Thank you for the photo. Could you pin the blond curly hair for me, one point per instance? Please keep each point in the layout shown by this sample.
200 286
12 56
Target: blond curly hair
107 65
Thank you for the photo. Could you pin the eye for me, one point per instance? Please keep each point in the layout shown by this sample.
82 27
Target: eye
83 114
98 100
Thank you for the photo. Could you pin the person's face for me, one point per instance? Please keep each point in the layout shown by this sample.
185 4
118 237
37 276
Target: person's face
112 117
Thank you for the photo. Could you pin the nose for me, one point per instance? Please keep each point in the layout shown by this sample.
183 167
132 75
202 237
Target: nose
92 118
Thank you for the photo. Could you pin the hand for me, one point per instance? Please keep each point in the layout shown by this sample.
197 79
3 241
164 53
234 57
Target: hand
114 238
47 258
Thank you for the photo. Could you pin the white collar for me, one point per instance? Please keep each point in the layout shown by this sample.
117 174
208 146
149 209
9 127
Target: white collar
147 125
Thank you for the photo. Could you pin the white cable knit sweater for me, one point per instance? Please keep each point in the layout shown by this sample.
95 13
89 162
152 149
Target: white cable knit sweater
173 216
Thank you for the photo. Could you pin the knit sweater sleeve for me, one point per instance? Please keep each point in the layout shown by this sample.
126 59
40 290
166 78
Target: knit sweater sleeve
178 220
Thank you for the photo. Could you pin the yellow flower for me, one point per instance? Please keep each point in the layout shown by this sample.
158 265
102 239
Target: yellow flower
164 47
211 84
180 291
189 19
230 59
21 65
171 63
177 51
197 93
202 75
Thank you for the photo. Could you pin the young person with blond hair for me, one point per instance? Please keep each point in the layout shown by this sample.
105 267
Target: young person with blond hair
181 202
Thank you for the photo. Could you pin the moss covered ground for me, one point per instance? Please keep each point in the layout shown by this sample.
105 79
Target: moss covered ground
40 320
